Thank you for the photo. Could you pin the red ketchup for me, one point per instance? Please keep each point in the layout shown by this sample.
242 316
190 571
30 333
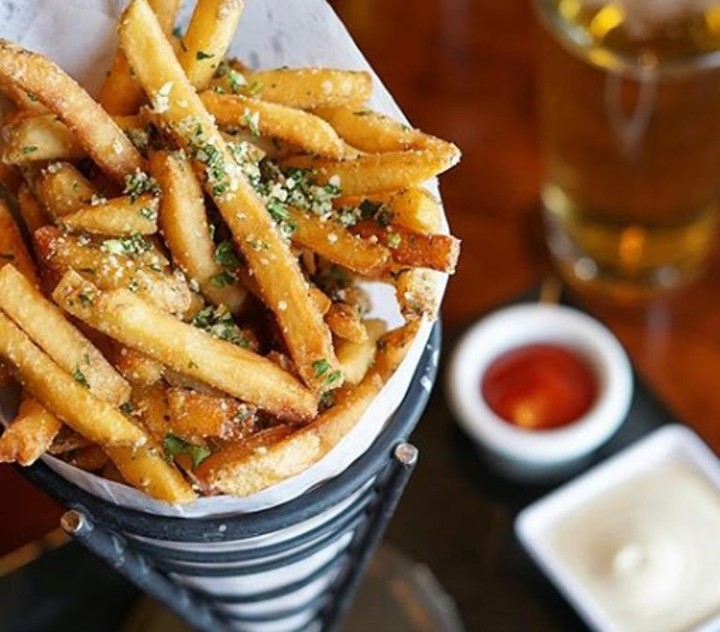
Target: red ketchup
539 386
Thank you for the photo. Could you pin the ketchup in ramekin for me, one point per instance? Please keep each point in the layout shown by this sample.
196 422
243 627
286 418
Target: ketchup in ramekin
539 386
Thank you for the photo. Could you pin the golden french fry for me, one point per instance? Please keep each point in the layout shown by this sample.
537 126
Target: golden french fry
120 217
321 299
62 189
415 208
208 37
33 214
283 287
335 243
437 252
267 458
23 101
30 433
146 468
62 394
196 416
392 348
121 93
377 173
136 367
133 263
357 357
303 88
345 322
48 328
184 225
12 246
37 138
416 292
305 131
125 317
90 458
100 136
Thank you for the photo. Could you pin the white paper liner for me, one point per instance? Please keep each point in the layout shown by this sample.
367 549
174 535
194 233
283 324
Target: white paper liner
80 36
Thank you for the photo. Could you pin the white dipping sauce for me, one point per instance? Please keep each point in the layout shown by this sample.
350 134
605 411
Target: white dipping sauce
649 550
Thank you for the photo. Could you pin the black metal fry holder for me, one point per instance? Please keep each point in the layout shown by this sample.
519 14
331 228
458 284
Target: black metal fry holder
148 549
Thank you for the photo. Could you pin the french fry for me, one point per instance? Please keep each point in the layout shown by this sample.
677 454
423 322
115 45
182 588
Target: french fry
196 416
62 189
121 93
335 243
303 130
62 394
345 322
184 225
119 217
357 357
67 440
147 469
284 289
150 405
33 214
302 88
23 101
416 292
208 36
136 367
37 138
378 173
269 457
133 263
415 208
321 299
29 435
90 458
127 318
48 328
12 246
437 252
99 135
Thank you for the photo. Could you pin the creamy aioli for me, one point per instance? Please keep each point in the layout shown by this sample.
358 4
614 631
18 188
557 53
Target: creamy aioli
649 550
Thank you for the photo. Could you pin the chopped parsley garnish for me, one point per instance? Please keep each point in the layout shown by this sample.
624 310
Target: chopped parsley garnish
126 408
80 378
321 367
85 299
219 323
128 246
225 255
252 122
138 183
327 400
201 55
148 213
243 414
175 447
223 279
394 240
29 149
193 365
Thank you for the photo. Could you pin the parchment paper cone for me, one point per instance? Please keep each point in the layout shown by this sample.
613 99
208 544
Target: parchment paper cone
80 36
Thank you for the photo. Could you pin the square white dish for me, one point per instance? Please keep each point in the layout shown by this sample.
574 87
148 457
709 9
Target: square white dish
535 524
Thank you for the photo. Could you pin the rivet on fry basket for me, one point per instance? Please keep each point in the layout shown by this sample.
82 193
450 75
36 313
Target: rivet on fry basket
73 522
406 453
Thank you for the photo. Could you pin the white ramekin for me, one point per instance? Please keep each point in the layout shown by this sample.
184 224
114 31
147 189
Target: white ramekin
523 452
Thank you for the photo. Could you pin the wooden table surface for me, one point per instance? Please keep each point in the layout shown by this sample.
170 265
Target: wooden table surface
464 70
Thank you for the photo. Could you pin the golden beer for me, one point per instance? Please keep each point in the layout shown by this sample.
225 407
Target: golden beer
630 119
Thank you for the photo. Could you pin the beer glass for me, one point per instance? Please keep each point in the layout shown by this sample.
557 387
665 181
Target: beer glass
630 133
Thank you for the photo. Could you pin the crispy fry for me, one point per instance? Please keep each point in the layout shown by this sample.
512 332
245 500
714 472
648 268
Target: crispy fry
334 242
438 252
136 367
37 138
103 140
269 457
185 227
284 289
150 405
303 130
196 416
415 208
33 214
208 37
29 435
62 189
302 88
120 92
416 292
12 246
345 322
47 327
357 357
123 316
133 263
62 394
120 217
377 173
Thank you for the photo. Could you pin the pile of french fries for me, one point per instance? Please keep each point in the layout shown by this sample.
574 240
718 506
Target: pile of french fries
179 292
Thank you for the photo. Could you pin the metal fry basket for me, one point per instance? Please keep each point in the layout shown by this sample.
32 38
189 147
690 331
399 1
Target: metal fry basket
289 568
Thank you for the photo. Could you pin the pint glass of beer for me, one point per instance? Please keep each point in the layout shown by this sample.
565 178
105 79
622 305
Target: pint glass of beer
630 120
